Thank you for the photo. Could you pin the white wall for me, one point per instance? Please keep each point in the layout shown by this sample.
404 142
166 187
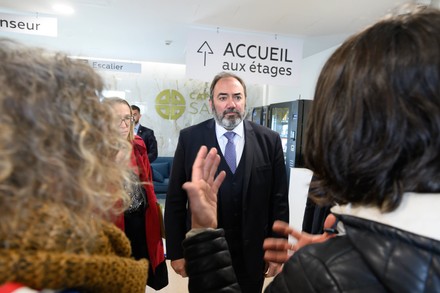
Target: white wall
310 69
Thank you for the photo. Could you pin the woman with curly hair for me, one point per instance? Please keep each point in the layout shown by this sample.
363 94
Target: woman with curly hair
60 181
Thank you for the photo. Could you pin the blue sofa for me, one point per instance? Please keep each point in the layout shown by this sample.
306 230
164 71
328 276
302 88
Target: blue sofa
161 168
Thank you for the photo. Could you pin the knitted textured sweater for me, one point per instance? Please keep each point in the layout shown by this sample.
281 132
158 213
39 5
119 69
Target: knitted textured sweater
39 255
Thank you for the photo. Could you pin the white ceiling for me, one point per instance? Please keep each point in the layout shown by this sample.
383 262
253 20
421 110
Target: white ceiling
139 29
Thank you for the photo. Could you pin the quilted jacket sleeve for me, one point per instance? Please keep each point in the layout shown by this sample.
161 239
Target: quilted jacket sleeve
209 264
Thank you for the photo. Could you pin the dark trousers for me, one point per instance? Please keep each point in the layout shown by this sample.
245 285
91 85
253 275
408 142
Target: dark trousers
135 231
249 283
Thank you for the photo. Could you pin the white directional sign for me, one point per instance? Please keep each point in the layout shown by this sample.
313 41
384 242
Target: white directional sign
259 60
33 25
115 66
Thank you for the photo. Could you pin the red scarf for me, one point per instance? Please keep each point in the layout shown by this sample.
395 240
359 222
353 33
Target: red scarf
141 165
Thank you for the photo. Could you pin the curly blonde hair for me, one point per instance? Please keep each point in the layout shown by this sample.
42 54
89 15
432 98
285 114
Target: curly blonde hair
57 146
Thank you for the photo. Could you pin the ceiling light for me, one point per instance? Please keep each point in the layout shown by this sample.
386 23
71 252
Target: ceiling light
63 9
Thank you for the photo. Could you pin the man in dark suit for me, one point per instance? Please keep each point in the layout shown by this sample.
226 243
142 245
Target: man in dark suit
147 134
253 195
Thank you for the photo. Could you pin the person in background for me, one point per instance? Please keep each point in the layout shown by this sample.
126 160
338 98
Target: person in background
145 133
314 214
141 221
254 193
61 182
373 144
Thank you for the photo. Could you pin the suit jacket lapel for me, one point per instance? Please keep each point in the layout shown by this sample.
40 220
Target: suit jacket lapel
211 137
249 149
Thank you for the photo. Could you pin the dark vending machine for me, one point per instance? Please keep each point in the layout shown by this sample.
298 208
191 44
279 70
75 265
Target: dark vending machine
289 119
259 115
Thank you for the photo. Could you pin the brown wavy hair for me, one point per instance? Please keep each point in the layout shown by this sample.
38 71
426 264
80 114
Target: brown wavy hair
374 129
57 146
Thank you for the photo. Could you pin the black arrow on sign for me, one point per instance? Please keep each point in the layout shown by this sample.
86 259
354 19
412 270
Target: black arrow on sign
205 49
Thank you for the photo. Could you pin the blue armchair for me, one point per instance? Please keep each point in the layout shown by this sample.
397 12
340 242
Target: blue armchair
161 168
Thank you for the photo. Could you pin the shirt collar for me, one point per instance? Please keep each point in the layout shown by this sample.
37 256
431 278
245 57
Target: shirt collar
417 213
220 130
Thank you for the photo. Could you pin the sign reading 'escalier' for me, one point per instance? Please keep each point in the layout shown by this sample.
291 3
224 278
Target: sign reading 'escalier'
115 66
264 60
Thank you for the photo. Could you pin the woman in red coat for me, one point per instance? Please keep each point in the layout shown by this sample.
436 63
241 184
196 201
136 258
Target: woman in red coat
141 221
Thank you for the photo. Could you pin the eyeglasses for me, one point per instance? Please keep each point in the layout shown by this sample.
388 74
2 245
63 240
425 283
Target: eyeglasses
127 120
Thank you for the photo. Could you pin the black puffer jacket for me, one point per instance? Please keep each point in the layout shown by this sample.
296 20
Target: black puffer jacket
371 257
209 264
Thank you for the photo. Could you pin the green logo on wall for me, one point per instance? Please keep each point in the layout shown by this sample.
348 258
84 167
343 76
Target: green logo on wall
170 104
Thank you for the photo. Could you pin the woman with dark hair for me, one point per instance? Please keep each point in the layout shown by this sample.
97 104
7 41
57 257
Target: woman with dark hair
373 143
141 221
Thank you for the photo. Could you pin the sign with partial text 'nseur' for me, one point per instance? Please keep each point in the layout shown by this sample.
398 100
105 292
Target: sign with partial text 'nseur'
32 25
